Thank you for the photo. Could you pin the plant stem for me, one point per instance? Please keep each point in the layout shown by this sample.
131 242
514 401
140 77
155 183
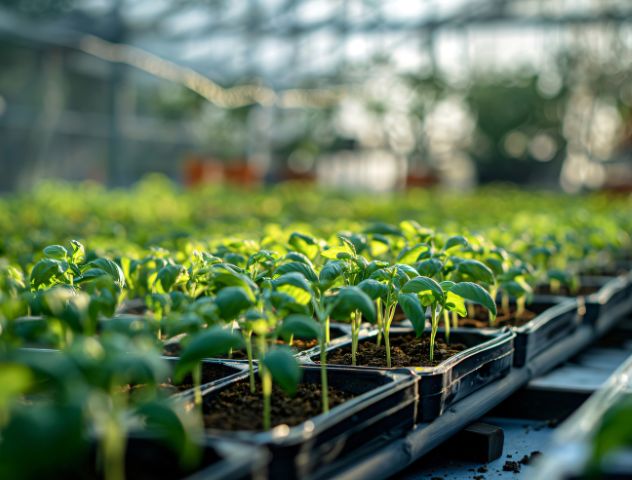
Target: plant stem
433 330
323 377
378 305
327 333
354 339
251 370
446 322
505 303
455 319
197 382
387 344
520 306
266 386
291 340
113 450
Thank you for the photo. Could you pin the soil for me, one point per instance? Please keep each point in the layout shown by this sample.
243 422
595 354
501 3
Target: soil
235 408
481 318
406 351
510 466
210 373
564 291
528 459
174 349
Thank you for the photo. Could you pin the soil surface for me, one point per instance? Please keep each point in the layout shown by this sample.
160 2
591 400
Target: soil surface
174 349
511 319
406 351
511 466
235 408
210 373
564 291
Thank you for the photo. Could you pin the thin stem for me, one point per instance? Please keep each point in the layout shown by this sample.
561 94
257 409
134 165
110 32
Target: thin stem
266 386
433 330
387 344
291 343
505 303
197 382
455 319
354 339
446 322
113 448
378 304
251 370
323 378
327 333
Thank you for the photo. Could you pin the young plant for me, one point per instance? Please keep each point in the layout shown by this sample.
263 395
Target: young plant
207 344
446 295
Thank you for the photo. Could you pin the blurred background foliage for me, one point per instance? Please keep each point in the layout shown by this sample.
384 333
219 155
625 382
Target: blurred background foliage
347 93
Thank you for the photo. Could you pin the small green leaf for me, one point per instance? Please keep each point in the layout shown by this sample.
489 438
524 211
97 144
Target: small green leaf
208 344
298 267
373 288
351 299
415 312
477 271
455 241
475 294
110 268
301 326
284 368
56 251
231 301
420 285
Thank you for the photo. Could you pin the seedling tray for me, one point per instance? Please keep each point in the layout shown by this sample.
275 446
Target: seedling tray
386 402
151 458
385 461
610 303
489 357
556 318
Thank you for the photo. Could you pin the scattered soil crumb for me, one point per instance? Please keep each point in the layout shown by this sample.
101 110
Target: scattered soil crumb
479 477
482 469
527 459
406 350
509 456
510 466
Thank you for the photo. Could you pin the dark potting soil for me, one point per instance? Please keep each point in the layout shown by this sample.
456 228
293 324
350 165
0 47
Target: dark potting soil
406 351
236 408
565 291
511 319
174 349
511 466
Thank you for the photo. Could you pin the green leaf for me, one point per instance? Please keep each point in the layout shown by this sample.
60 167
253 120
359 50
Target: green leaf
421 285
331 272
411 254
351 299
301 326
477 271
208 344
430 267
383 229
296 285
373 288
304 244
298 267
78 251
455 303
170 275
56 251
231 301
45 271
110 268
284 368
475 294
414 311
455 241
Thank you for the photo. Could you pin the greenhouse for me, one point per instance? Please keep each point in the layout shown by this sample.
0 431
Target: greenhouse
315 239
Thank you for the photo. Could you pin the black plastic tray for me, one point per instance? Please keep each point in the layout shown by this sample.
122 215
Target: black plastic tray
610 303
386 401
489 357
384 461
556 318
